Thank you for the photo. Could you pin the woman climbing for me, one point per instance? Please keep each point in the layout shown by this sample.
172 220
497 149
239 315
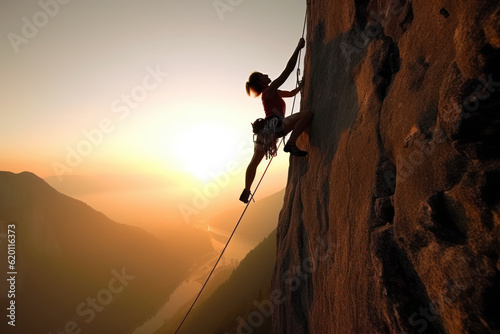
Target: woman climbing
275 125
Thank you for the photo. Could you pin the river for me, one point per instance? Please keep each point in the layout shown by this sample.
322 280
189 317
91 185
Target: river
190 287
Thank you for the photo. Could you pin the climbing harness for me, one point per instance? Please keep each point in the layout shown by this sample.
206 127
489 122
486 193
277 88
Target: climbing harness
268 135
251 197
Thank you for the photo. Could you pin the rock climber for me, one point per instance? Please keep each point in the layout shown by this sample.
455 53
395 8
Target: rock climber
275 125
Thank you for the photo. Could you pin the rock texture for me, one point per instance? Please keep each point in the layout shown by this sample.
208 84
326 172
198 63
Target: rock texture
391 224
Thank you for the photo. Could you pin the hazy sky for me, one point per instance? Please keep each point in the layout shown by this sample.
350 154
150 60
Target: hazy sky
121 86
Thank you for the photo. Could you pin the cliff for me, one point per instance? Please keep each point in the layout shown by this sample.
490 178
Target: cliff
391 224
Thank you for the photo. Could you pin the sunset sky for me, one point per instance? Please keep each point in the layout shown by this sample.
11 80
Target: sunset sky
154 86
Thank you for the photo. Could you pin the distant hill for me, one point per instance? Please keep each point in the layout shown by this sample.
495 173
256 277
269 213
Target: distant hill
250 282
150 202
76 265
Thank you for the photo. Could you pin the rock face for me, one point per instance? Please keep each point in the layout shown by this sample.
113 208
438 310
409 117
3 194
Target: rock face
391 224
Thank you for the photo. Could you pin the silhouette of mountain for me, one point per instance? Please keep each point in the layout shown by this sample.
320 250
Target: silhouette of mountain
146 201
76 268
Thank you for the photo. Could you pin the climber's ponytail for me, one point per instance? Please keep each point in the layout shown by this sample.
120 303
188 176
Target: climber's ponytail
247 87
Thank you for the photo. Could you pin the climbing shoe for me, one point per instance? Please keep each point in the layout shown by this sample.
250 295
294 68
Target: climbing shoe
293 149
245 196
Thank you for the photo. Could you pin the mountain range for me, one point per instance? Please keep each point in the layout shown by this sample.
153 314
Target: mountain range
78 269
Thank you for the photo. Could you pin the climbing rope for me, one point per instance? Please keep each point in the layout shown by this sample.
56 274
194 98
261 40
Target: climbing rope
251 197
297 81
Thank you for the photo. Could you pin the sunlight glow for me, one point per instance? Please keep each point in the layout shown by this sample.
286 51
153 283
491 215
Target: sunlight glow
204 149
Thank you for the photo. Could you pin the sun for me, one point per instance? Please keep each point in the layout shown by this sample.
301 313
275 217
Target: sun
205 149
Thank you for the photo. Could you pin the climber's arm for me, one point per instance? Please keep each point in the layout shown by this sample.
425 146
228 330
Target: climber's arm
289 66
292 93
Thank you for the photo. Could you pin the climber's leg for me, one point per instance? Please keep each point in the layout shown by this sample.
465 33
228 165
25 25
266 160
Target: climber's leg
297 124
289 122
258 154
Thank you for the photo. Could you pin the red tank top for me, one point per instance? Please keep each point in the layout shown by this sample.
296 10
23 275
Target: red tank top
273 103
